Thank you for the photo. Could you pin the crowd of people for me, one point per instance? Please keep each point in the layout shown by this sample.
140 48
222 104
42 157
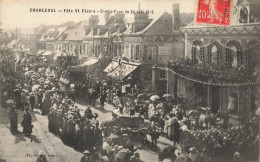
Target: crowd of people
38 86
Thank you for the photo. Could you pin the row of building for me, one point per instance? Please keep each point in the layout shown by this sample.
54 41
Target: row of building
206 65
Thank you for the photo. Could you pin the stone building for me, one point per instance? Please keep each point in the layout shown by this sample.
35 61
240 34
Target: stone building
147 42
221 65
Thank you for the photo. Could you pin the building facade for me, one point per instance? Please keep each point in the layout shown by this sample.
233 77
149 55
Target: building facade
221 65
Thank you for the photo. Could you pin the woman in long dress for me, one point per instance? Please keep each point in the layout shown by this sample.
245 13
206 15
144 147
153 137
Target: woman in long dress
126 110
46 103
13 116
27 123
151 110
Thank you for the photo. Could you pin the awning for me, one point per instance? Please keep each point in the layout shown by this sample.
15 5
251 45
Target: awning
47 53
40 52
122 71
90 62
113 65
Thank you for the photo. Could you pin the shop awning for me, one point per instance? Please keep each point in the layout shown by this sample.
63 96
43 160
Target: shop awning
40 52
47 53
122 71
90 62
113 65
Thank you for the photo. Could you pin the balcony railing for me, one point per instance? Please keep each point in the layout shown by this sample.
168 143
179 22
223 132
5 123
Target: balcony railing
209 73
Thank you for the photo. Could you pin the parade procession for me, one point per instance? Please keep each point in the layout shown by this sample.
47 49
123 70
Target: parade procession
178 84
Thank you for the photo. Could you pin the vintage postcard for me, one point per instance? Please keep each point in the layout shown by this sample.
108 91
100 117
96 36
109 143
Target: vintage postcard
129 81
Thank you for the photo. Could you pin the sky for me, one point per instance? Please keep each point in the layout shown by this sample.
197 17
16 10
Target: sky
16 13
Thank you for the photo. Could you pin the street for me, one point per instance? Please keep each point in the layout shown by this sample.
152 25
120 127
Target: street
42 140
147 82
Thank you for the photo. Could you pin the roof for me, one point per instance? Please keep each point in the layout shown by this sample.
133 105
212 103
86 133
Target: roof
77 33
212 29
91 61
162 21
52 33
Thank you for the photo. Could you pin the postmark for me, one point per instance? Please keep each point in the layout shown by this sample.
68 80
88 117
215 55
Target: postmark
214 12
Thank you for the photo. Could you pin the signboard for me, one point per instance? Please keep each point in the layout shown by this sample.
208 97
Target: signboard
133 39
164 50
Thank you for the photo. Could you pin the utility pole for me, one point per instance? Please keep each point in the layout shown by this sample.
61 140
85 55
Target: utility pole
15 64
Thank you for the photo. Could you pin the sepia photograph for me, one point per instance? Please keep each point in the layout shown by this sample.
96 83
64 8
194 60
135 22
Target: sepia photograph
129 80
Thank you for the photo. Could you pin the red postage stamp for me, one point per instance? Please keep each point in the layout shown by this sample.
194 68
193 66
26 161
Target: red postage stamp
213 12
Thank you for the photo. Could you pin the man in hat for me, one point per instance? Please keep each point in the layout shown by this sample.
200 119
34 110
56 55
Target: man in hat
176 130
32 100
13 116
27 123
154 134
23 100
17 96
178 112
94 119
87 157
88 113
103 97
97 135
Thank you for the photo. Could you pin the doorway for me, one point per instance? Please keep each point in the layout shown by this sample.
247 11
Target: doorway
215 99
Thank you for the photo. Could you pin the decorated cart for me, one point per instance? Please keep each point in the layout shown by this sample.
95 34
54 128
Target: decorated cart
134 127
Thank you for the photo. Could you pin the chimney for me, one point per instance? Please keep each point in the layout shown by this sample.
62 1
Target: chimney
175 17
93 20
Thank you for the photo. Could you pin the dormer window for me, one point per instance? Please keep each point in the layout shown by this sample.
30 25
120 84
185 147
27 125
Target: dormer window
197 52
233 54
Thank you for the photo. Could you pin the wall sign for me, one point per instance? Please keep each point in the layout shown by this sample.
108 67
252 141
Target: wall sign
164 50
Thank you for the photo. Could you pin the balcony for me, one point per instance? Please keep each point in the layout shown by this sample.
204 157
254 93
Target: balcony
210 74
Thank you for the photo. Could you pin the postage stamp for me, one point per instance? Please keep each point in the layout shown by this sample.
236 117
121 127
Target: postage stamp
213 12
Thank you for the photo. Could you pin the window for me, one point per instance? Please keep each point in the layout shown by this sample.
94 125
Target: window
198 56
214 53
132 52
115 51
127 51
80 49
233 53
145 53
233 58
84 49
197 52
152 53
119 51
137 52
243 15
